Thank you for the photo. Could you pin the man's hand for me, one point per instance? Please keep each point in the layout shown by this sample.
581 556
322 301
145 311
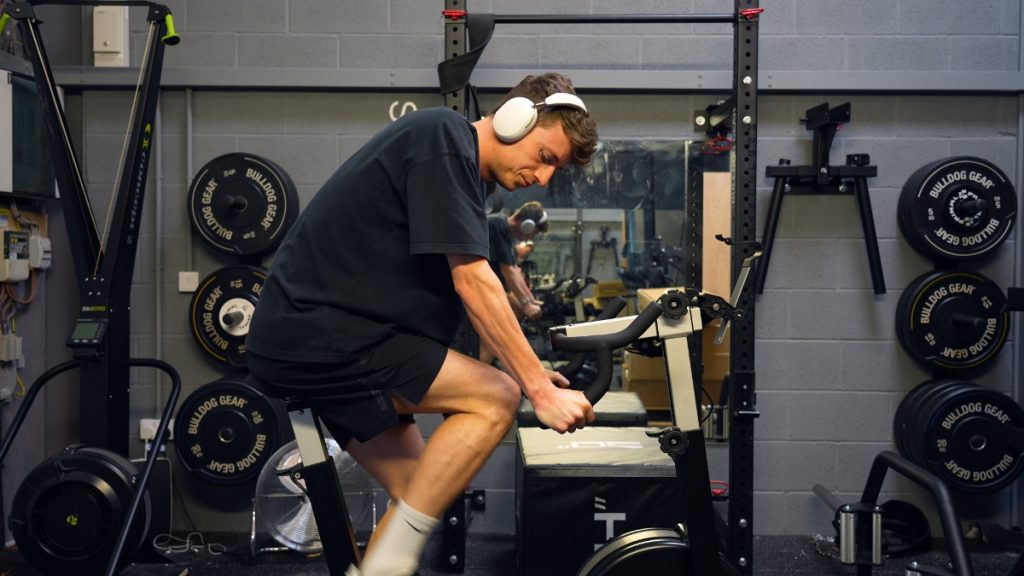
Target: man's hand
563 410
531 310
558 379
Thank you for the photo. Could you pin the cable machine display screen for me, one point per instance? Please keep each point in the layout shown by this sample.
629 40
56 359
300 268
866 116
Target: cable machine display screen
88 332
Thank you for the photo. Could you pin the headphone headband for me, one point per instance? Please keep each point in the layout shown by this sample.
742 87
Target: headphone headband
529 225
563 99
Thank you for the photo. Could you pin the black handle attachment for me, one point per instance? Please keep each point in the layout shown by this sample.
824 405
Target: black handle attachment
611 310
603 344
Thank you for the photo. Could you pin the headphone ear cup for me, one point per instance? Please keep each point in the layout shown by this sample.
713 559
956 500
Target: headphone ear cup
527 226
514 119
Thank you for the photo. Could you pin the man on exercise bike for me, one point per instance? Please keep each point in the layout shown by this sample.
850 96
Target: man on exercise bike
366 292
503 232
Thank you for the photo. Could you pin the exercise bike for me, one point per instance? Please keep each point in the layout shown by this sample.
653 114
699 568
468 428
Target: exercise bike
692 547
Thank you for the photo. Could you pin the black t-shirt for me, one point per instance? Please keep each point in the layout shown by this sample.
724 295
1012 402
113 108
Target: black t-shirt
366 258
502 251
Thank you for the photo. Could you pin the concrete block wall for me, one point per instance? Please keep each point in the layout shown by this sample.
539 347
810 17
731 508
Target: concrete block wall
830 371
877 35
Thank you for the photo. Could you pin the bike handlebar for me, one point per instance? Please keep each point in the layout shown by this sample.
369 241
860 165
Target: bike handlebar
611 310
603 344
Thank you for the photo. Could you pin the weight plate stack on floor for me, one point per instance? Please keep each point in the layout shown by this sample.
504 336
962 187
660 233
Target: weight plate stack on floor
648 551
68 512
242 204
959 208
953 322
221 310
957 430
226 431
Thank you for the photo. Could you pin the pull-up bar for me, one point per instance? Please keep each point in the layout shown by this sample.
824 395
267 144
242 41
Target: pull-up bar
613 18
749 13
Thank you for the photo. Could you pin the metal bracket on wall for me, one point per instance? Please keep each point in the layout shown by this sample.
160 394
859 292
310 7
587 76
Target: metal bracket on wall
822 178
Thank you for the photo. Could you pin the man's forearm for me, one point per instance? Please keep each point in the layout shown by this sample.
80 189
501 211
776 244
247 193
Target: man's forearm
518 284
488 309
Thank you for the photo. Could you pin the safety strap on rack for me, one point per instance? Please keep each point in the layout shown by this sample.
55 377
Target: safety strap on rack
453 74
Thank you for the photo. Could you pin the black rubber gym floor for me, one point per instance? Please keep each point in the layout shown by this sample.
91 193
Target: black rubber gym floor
491 555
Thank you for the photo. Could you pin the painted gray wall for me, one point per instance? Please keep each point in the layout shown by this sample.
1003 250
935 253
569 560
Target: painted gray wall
830 372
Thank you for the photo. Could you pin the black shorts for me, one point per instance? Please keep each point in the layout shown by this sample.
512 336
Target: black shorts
352 398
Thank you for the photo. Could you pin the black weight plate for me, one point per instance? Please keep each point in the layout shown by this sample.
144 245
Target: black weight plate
647 551
225 432
905 427
221 310
918 418
926 406
901 422
965 438
957 208
242 204
69 510
952 321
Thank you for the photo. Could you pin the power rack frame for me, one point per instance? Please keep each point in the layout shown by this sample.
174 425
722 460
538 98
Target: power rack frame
464 41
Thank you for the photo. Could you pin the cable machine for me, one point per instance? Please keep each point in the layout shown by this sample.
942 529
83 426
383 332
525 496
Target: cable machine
53 536
466 36
100 337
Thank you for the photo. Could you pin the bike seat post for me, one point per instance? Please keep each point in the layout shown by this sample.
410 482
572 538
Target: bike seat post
323 488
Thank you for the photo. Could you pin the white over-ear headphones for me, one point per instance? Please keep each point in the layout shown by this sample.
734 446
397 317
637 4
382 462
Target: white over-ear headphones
516 117
528 226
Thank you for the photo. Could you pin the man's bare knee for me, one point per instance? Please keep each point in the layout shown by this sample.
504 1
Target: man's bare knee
503 401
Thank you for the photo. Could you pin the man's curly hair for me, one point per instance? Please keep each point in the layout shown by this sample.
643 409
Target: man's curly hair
579 126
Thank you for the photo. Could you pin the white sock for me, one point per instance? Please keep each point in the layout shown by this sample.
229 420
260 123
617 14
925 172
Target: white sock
352 570
397 549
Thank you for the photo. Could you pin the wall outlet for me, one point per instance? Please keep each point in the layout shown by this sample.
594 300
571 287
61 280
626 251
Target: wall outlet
188 282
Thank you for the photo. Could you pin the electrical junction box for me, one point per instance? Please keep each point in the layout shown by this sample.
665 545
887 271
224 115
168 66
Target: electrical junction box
110 35
14 266
24 240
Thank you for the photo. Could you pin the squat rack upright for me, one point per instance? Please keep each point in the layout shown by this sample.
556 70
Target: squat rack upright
465 41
